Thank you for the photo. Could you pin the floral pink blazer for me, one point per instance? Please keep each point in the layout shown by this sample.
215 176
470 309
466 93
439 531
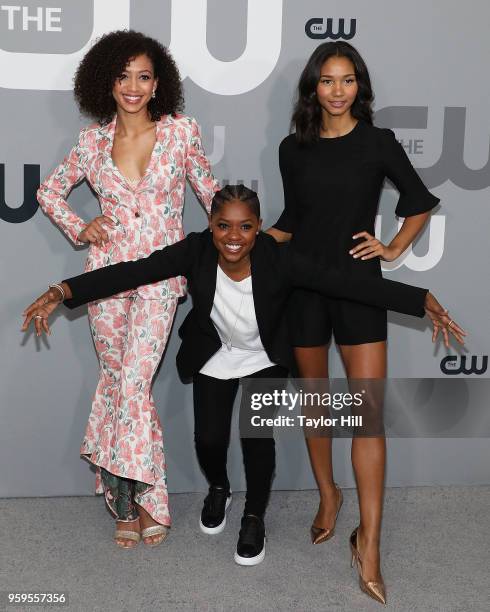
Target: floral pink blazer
148 215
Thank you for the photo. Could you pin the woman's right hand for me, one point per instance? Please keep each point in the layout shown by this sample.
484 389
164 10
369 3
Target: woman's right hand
95 232
40 310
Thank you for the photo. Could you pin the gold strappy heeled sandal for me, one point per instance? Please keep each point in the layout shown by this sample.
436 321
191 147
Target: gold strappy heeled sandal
123 534
375 589
154 530
319 534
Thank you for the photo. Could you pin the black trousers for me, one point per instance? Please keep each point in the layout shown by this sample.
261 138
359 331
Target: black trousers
213 408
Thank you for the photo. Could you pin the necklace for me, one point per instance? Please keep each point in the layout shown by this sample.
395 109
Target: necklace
228 341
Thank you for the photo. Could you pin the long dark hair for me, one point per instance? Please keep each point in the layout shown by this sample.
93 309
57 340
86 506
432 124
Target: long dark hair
307 113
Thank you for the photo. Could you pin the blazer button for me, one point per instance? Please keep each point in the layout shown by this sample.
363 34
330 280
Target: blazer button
136 214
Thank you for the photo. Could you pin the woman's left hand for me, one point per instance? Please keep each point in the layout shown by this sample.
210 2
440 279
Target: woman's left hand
372 247
441 321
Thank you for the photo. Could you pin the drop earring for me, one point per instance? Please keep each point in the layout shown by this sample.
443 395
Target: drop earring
153 94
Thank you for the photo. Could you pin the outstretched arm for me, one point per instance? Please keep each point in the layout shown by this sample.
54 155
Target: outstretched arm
168 262
171 261
379 292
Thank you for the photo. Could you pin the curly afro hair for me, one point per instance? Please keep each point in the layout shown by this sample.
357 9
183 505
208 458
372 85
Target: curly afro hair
108 58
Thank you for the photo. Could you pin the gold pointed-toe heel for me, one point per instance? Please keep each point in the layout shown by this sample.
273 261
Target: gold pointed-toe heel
375 589
319 534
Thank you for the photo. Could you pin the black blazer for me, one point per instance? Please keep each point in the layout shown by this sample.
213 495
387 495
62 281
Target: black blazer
276 269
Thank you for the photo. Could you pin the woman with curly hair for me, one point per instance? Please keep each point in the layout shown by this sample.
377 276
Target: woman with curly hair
136 158
333 168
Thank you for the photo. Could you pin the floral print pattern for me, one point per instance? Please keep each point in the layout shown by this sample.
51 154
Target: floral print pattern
148 215
124 434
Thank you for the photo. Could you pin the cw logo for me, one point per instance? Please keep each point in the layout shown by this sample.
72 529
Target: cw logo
450 165
449 365
53 71
436 229
315 28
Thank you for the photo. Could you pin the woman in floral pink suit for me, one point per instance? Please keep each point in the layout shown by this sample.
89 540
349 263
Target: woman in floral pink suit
136 159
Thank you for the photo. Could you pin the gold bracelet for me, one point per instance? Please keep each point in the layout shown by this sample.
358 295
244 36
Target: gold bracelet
60 289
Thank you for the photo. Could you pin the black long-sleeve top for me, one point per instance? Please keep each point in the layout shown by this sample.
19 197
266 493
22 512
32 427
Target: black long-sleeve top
276 269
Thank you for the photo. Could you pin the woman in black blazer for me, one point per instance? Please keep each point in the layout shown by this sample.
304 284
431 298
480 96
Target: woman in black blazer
228 266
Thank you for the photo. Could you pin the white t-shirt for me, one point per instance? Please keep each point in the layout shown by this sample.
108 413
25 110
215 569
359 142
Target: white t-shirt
233 314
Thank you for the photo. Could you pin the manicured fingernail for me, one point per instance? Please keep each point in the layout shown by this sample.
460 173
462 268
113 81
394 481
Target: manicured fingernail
350 252
355 256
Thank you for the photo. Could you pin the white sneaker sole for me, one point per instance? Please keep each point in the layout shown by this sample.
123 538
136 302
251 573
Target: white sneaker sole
221 526
251 560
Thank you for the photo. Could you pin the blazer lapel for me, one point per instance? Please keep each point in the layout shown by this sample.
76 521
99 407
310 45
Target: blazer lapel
105 138
160 137
206 282
105 142
260 284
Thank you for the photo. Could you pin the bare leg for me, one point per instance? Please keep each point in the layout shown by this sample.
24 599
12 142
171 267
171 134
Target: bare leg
368 361
313 363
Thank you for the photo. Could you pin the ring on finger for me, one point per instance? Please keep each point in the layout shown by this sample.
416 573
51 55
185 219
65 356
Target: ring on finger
38 317
450 323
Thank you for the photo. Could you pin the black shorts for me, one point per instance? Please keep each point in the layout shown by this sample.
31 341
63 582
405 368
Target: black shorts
313 318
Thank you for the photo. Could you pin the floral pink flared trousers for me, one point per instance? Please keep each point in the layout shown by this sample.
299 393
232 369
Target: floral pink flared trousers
124 435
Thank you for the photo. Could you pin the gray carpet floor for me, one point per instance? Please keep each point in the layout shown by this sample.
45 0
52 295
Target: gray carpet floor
435 551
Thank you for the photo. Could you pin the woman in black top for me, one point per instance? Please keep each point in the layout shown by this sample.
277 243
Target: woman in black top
333 168
235 247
